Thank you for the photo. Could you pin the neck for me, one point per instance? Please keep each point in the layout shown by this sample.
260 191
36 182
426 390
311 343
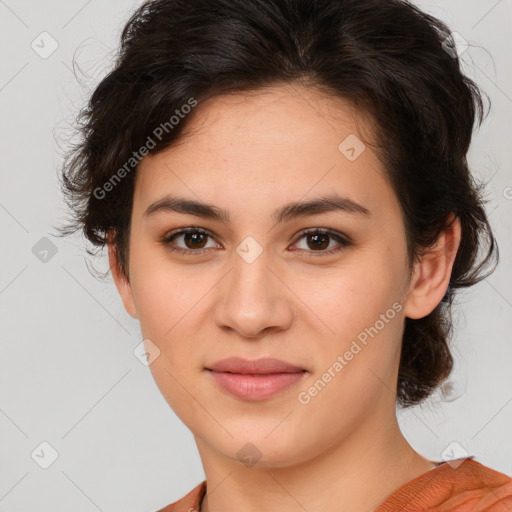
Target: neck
359 472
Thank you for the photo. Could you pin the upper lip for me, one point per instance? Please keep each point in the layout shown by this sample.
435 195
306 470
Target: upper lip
264 365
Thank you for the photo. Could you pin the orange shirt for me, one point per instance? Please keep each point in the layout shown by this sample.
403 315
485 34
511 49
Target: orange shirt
450 487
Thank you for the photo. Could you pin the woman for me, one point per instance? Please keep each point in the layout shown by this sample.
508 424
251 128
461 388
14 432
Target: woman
288 209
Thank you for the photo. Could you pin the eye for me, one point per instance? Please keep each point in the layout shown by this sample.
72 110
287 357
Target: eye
320 240
195 240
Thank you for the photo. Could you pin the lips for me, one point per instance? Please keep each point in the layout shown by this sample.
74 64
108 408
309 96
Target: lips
255 380
257 366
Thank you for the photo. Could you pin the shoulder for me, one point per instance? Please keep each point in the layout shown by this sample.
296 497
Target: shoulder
190 502
480 488
463 485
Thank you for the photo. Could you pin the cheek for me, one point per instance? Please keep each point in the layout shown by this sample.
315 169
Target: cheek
361 307
171 304
351 298
166 295
169 309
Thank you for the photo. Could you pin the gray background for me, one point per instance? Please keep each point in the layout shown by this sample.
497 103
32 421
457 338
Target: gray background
68 375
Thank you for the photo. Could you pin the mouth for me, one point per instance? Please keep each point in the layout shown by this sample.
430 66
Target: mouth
255 380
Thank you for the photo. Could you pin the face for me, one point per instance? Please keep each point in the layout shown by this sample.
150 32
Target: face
255 284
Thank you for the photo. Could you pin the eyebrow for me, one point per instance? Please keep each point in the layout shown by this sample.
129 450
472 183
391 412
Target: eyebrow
324 204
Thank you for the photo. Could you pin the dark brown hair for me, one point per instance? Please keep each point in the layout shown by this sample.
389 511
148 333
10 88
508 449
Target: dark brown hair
389 59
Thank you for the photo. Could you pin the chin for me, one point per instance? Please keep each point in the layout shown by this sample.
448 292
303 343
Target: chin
261 449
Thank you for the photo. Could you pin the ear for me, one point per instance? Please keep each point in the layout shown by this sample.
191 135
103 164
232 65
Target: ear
431 275
122 284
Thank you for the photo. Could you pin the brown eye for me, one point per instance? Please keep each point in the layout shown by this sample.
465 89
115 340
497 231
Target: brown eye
194 240
317 241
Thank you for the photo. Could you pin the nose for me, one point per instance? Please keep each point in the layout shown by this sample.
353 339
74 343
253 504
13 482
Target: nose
253 299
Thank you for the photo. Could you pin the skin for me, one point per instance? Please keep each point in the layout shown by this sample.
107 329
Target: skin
249 154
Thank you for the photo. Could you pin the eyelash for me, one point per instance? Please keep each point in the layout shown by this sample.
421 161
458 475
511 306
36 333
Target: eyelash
343 241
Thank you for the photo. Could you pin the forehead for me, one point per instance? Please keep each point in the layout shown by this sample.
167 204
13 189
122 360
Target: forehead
281 116
282 143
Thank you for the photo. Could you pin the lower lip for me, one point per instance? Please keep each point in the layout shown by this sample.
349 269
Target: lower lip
256 387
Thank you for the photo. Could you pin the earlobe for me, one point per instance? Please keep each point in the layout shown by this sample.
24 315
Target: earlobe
122 284
431 276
